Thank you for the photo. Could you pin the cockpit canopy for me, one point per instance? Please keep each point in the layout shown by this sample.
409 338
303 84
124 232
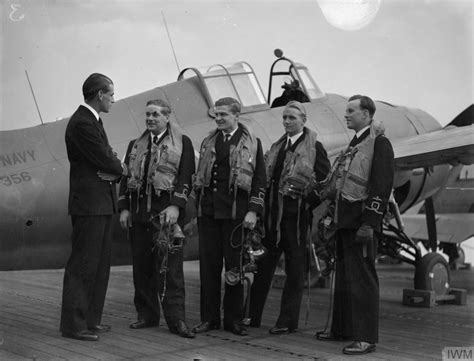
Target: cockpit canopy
238 80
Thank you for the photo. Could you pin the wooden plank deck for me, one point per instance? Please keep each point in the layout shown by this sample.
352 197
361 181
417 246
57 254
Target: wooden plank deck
30 304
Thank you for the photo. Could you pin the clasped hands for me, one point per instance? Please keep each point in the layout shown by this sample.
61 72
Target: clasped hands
169 215
113 177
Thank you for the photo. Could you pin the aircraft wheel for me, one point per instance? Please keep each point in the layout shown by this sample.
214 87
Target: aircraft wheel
432 274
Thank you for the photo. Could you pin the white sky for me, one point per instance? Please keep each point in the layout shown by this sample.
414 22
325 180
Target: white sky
415 53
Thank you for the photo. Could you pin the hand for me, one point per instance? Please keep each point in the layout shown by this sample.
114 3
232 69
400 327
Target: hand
250 220
125 219
170 214
107 176
365 234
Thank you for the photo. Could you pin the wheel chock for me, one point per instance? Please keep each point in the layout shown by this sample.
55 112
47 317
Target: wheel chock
425 298
419 298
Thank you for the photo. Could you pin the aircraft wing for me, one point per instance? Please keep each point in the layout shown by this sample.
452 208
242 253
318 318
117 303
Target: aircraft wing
451 227
451 145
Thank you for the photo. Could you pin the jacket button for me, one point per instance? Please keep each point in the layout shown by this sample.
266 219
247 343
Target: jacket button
215 166
214 189
214 181
215 173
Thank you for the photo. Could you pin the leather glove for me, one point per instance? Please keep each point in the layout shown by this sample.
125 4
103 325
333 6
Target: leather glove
365 234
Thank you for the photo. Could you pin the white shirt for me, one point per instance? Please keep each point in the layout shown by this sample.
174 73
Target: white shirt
360 132
231 133
158 135
294 138
96 115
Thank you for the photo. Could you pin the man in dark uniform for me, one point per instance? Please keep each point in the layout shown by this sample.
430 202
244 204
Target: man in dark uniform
294 165
161 164
92 202
229 184
363 178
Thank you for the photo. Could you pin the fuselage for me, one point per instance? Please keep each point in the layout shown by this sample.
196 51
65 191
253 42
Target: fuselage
34 169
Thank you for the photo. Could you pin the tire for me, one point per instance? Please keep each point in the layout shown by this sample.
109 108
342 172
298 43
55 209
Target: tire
432 274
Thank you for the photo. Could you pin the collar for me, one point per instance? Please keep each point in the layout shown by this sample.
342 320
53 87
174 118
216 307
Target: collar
294 138
362 131
96 115
159 135
231 133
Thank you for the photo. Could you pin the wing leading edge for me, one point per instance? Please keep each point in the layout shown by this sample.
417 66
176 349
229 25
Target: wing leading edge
452 145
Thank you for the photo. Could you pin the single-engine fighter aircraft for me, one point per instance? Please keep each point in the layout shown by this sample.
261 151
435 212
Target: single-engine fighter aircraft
34 170
454 209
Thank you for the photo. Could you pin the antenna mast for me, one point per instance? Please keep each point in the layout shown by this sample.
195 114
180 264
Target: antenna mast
34 98
169 37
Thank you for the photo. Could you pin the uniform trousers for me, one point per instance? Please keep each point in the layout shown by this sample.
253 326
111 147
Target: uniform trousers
214 247
149 282
295 258
87 273
356 293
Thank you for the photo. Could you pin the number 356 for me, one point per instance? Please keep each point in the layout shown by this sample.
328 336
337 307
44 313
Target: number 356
15 178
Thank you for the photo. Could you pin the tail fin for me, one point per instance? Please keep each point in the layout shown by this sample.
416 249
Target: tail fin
466 117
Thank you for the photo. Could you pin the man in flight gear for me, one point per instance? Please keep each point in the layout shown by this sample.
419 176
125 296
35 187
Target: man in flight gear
360 184
152 201
229 187
294 165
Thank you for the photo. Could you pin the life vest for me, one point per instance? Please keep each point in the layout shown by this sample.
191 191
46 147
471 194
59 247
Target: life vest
163 166
297 176
242 161
350 173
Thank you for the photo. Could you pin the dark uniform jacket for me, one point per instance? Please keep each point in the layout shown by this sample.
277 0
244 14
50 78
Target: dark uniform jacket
351 215
88 152
290 205
218 199
128 200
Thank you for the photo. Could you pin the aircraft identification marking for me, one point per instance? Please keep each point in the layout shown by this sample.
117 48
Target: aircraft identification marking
17 158
15 178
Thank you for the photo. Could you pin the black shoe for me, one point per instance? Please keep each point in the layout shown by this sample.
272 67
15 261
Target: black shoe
359 348
281 330
99 328
206 326
143 324
236 329
183 330
81 335
329 336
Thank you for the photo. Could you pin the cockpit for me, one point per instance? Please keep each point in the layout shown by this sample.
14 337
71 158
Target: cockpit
238 80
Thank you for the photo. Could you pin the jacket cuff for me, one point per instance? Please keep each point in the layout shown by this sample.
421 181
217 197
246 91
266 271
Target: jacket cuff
123 203
257 202
373 211
179 198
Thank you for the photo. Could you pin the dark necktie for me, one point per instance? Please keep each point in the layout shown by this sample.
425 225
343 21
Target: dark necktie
155 139
353 141
227 137
288 144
